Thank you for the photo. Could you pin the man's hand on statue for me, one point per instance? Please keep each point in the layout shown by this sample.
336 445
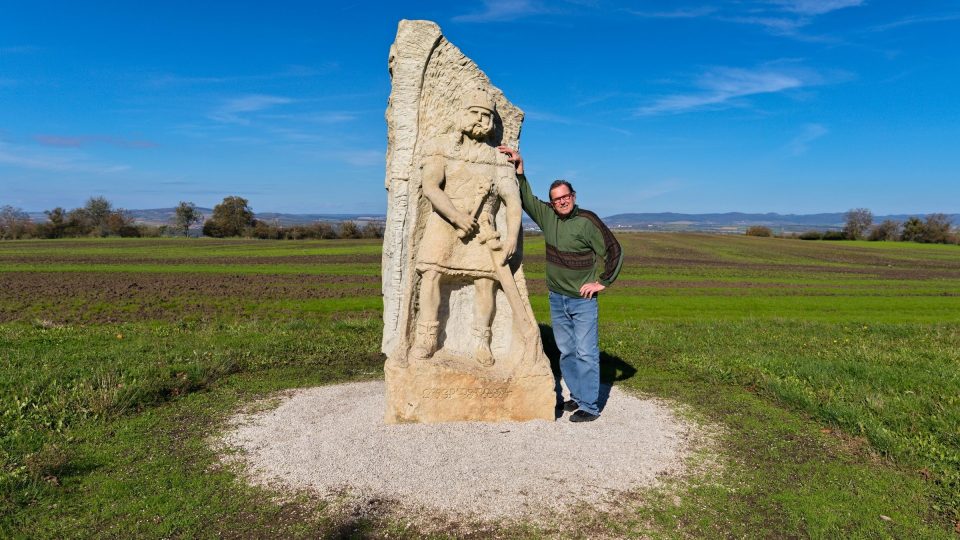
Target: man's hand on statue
590 289
513 156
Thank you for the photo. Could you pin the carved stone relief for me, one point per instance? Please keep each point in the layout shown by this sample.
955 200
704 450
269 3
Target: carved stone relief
460 338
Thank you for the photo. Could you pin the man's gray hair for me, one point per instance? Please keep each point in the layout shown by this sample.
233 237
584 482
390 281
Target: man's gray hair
558 183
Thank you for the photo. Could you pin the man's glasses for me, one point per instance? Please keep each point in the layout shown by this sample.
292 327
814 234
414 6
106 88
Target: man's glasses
564 198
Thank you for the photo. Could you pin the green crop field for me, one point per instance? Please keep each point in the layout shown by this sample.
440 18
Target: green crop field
831 369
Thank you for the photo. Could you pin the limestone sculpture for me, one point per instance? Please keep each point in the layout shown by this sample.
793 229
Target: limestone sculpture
459 334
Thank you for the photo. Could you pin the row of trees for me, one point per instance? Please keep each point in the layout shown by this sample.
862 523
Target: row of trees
858 225
932 229
232 217
97 217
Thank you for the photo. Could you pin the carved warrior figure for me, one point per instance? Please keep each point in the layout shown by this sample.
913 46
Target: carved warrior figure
465 179
459 334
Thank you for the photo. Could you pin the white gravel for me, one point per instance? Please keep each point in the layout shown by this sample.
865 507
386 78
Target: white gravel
332 440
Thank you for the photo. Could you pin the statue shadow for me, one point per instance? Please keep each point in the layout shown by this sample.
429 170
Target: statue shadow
612 369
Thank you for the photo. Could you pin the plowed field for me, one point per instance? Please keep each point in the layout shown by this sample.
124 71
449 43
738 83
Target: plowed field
670 275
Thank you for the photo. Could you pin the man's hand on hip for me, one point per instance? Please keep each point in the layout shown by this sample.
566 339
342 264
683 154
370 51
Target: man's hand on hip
590 289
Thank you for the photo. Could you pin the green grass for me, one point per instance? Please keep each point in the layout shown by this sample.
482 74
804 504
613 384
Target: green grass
835 387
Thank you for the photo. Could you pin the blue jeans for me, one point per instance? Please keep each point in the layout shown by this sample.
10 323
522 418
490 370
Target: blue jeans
575 331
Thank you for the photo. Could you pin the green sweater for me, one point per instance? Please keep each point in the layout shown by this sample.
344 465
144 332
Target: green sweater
575 244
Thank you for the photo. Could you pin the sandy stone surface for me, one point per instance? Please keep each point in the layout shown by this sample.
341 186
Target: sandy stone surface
332 440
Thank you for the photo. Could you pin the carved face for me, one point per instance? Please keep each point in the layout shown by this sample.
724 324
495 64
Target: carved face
477 122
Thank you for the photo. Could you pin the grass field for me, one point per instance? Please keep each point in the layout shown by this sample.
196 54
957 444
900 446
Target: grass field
833 369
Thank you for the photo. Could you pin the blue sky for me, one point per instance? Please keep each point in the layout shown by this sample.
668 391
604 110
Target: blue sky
789 106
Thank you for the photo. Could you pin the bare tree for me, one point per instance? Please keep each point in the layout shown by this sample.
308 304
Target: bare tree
323 230
887 230
937 229
120 223
185 216
14 223
349 229
858 221
372 230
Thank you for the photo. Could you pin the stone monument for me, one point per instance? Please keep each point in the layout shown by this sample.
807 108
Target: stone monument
460 338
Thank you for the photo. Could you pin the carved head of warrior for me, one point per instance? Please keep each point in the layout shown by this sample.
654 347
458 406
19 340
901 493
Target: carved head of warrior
476 120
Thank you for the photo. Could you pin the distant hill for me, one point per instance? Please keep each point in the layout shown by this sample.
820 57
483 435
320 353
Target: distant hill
164 216
738 221
730 222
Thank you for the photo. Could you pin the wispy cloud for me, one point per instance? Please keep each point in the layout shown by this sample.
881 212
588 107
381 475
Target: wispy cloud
680 13
62 160
326 117
541 116
362 158
816 7
777 25
907 21
780 17
357 157
503 10
801 143
720 87
233 109
70 141
293 71
19 49
657 189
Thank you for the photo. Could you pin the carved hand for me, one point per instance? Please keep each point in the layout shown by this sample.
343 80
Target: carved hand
509 248
464 222
513 156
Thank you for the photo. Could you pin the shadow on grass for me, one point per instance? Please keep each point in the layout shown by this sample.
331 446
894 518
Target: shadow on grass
612 368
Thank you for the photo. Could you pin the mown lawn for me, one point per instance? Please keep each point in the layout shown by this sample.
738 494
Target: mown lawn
832 370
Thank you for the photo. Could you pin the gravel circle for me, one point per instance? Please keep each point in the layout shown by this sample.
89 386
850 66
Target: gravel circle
331 440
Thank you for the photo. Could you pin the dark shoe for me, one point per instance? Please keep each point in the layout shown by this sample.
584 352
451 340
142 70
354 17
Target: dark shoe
570 405
583 416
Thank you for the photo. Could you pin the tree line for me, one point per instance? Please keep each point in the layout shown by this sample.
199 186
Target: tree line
858 225
233 217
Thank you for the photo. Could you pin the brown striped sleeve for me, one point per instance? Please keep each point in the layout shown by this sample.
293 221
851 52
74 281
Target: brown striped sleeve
613 254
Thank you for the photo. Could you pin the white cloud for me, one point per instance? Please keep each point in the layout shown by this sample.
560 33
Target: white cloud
232 109
292 71
915 20
780 17
542 116
720 86
680 13
503 10
801 143
327 117
362 158
816 7
777 25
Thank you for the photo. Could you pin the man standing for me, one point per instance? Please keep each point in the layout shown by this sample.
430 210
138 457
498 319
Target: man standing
576 241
